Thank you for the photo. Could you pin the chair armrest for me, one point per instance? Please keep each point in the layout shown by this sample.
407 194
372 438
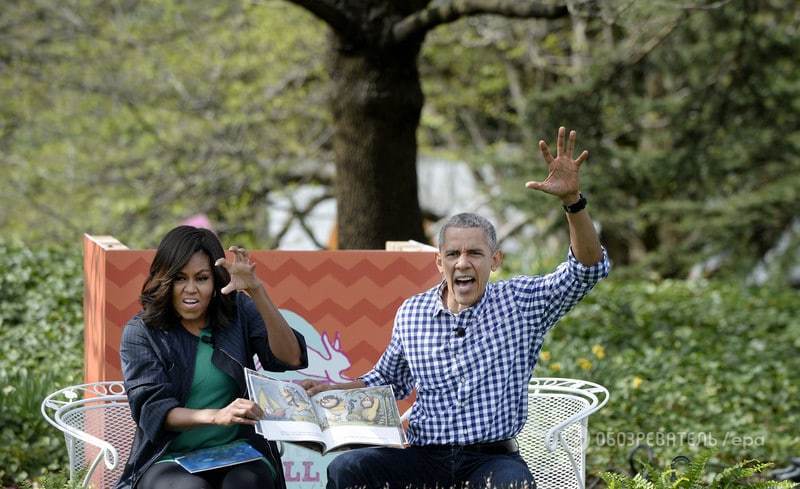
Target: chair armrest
56 405
595 394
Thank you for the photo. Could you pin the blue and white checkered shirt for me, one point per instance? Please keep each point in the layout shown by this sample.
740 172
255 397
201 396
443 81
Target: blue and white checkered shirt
473 388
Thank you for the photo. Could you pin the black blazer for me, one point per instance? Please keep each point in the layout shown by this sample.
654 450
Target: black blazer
158 366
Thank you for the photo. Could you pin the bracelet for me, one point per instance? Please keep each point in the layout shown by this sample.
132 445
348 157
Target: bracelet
577 206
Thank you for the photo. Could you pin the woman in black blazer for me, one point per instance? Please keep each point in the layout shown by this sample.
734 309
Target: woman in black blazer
183 356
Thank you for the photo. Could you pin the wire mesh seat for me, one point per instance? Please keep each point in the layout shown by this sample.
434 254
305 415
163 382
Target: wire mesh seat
97 425
554 439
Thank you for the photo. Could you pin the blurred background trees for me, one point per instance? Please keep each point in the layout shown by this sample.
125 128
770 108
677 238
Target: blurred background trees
689 113
125 117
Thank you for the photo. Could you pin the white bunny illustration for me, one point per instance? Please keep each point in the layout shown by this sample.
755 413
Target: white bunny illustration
326 360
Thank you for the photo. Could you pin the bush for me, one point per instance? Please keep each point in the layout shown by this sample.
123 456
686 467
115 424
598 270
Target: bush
689 365
41 349
696 475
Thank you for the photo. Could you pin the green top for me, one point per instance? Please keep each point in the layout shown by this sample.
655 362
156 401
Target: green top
211 389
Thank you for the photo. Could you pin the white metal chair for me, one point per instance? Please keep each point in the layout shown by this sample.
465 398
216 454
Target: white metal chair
97 425
554 439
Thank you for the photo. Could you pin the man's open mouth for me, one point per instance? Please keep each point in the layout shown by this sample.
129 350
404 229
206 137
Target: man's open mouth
463 281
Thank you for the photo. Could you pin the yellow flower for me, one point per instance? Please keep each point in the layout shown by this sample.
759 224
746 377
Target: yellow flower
585 363
544 356
599 351
636 382
556 367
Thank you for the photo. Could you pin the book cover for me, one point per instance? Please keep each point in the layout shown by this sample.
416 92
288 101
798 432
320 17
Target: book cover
234 453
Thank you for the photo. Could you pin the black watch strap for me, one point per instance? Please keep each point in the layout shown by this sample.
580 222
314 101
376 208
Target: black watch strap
577 206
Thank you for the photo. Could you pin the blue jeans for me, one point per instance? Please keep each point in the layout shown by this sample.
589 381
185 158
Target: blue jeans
427 467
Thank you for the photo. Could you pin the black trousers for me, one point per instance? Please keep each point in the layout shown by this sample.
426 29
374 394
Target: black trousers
169 475
421 467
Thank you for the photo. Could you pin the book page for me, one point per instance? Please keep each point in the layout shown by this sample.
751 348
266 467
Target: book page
288 411
366 416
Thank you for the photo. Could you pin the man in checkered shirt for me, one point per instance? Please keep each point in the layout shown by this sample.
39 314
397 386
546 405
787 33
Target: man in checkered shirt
468 348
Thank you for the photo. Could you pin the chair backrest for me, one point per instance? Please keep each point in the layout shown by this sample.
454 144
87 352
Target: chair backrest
97 426
554 439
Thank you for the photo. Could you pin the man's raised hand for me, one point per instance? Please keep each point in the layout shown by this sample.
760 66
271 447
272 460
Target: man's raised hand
562 179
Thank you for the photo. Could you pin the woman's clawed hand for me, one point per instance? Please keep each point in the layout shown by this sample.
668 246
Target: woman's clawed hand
242 271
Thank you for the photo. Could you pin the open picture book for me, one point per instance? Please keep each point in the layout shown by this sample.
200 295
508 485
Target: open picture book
330 420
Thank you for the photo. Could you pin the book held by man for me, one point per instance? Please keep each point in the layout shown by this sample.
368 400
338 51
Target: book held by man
329 420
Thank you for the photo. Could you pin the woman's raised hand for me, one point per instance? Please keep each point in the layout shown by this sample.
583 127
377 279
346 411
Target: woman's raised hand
241 270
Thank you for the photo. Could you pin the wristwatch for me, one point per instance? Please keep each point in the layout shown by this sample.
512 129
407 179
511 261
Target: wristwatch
577 206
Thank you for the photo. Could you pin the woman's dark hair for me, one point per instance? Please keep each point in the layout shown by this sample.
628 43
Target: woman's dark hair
173 253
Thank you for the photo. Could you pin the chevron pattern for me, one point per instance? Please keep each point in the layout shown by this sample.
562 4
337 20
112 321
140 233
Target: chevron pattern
354 293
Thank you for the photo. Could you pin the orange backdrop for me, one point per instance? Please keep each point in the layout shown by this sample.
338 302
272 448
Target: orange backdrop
350 294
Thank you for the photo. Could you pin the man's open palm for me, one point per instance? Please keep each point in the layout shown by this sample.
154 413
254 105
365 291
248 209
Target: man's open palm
562 179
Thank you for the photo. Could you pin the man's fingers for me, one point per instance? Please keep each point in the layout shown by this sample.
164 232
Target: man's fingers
535 185
545 152
317 389
571 144
583 157
541 186
560 141
308 384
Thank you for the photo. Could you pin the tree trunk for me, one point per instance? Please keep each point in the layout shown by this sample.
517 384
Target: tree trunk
376 101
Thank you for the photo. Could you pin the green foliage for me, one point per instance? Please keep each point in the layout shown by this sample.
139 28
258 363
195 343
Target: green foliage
124 118
41 350
689 365
695 477
694 143
57 480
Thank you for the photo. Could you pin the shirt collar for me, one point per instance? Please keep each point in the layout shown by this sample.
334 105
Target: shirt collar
438 303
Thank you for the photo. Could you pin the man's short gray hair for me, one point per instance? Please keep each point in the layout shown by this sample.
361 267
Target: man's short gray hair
470 220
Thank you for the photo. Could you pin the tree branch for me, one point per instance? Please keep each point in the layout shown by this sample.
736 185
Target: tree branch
452 10
326 11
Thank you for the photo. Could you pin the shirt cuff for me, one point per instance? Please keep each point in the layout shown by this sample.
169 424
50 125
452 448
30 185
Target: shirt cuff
373 378
589 274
